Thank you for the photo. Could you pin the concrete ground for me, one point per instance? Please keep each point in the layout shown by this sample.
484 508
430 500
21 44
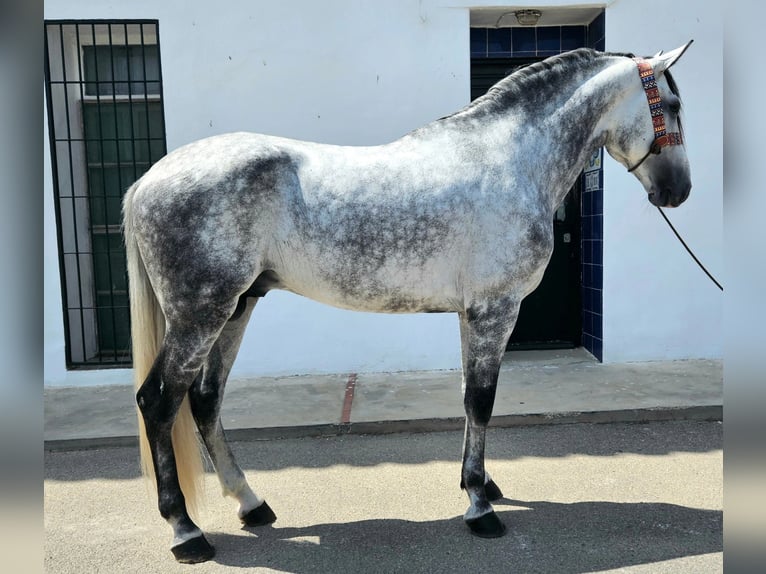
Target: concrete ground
616 497
534 387
641 493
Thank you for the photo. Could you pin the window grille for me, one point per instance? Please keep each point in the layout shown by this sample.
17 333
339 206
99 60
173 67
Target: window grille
106 124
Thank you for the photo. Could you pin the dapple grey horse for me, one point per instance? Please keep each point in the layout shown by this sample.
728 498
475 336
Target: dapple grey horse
454 217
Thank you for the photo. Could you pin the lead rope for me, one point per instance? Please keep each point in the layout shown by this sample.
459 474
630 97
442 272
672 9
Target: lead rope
665 217
661 139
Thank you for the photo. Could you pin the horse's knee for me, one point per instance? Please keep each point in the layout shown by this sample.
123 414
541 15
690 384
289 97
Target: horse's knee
479 402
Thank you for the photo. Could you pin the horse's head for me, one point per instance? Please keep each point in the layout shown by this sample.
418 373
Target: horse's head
647 137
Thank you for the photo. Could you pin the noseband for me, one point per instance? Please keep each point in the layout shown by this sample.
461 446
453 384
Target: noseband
661 137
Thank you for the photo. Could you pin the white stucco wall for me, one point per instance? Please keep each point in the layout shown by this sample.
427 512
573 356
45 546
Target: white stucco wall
657 303
356 72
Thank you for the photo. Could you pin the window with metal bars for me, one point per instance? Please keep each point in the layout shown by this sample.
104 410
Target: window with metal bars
106 125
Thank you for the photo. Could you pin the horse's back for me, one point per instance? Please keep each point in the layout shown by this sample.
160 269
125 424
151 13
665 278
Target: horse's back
217 164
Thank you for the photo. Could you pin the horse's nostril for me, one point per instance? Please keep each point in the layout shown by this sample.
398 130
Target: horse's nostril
660 198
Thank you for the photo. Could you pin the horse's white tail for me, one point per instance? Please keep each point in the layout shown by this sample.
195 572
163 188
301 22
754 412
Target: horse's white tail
147 332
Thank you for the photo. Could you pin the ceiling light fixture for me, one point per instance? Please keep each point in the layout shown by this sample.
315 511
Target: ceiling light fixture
528 17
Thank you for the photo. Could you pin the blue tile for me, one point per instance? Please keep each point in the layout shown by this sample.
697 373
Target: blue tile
587 251
498 41
587 275
595 297
549 39
478 41
596 30
597 326
600 45
597 231
523 40
598 277
598 349
587 341
548 53
587 203
587 324
572 37
597 227
587 227
598 252
598 200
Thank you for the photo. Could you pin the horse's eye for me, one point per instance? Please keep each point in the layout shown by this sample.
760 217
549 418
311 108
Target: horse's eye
674 106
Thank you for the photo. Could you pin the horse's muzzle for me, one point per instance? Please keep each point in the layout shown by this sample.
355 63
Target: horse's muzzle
669 196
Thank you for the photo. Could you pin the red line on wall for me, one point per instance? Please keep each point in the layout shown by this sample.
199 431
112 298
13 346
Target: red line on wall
348 399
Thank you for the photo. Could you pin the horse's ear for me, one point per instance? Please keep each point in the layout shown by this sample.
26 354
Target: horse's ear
663 61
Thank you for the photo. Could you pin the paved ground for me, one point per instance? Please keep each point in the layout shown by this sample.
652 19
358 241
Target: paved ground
534 387
637 498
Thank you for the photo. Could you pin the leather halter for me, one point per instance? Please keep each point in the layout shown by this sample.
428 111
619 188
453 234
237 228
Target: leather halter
661 137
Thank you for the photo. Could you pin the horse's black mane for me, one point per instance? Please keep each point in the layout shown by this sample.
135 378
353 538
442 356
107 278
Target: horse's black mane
531 83
529 80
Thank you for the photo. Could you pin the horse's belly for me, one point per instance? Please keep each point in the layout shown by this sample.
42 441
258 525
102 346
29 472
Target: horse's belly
388 303
354 290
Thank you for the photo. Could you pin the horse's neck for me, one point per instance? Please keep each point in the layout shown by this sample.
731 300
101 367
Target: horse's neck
550 144
574 128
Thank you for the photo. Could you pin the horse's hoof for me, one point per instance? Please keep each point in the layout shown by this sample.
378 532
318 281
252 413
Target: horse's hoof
492 491
193 550
259 516
486 526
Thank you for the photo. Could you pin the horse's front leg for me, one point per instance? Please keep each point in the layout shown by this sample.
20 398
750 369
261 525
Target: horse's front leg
484 331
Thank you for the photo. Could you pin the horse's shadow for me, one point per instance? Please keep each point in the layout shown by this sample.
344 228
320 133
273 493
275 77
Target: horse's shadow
542 537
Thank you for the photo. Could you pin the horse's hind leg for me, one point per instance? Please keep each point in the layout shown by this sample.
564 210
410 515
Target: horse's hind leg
206 396
184 349
484 331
